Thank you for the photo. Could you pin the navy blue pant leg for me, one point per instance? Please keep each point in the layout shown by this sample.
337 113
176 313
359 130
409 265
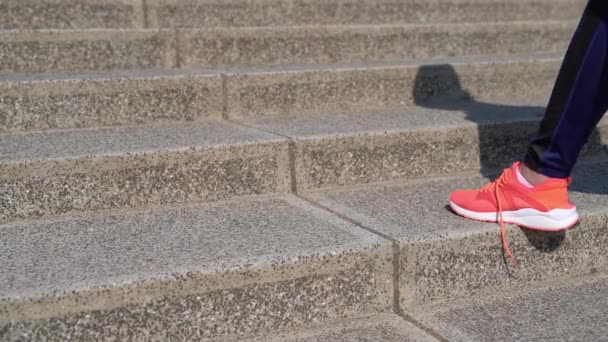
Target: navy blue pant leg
579 98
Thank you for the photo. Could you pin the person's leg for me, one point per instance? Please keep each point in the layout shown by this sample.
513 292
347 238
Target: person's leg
578 101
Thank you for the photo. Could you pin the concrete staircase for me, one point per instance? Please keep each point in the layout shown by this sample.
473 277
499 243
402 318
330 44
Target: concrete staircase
276 169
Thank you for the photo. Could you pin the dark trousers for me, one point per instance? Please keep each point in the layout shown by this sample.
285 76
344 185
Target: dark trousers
579 98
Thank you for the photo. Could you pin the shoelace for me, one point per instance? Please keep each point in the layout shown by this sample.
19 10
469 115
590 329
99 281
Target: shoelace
495 187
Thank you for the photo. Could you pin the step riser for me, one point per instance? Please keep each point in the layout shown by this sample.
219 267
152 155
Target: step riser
359 159
41 105
71 14
386 88
284 295
195 13
106 50
461 267
255 47
52 51
34 14
42 188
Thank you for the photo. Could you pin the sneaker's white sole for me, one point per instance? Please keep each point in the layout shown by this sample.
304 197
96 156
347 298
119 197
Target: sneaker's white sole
553 221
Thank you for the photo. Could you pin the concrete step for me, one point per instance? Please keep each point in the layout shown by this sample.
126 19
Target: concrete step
82 14
574 310
90 50
385 86
42 102
58 172
577 310
429 140
354 44
189 273
83 50
446 257
56 101
70 14
251 266
386 327
205 13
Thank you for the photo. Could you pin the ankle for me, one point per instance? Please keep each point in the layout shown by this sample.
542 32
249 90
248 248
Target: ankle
532 176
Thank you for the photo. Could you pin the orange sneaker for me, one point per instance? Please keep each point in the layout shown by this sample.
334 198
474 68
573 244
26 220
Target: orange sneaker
543 207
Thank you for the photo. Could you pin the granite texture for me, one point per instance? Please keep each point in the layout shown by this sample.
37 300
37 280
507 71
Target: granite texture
111 99
361 89
350 149
63 171
90 50
572 310
189 272
354 44
210 13
389 328
444 256
70 14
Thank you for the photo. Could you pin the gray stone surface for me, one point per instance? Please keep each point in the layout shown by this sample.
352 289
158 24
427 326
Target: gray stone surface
75 50
446 256
189 272
559 311
70 14
389 328
348 149
110 99
79 170
209 13
365 88
354 44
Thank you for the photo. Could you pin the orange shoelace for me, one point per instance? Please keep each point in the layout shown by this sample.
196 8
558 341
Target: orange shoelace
495 187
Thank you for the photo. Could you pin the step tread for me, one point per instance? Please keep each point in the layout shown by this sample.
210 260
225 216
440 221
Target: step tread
295 68
564 310
424 116
122 247
387 327
417 210
69 144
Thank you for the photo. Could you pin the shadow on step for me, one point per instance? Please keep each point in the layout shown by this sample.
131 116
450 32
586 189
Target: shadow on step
439 87
503 130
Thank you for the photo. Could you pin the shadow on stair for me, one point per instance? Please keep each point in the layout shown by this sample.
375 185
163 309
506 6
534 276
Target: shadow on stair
439 87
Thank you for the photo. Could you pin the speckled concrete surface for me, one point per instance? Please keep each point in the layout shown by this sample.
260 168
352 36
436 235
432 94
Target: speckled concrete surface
348 149
110 99
63 171
389 328
573 310
222 269
70 14
445 256
77 50
366 88
201 13
353 44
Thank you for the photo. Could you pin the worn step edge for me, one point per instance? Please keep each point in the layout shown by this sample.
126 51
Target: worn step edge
295 286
